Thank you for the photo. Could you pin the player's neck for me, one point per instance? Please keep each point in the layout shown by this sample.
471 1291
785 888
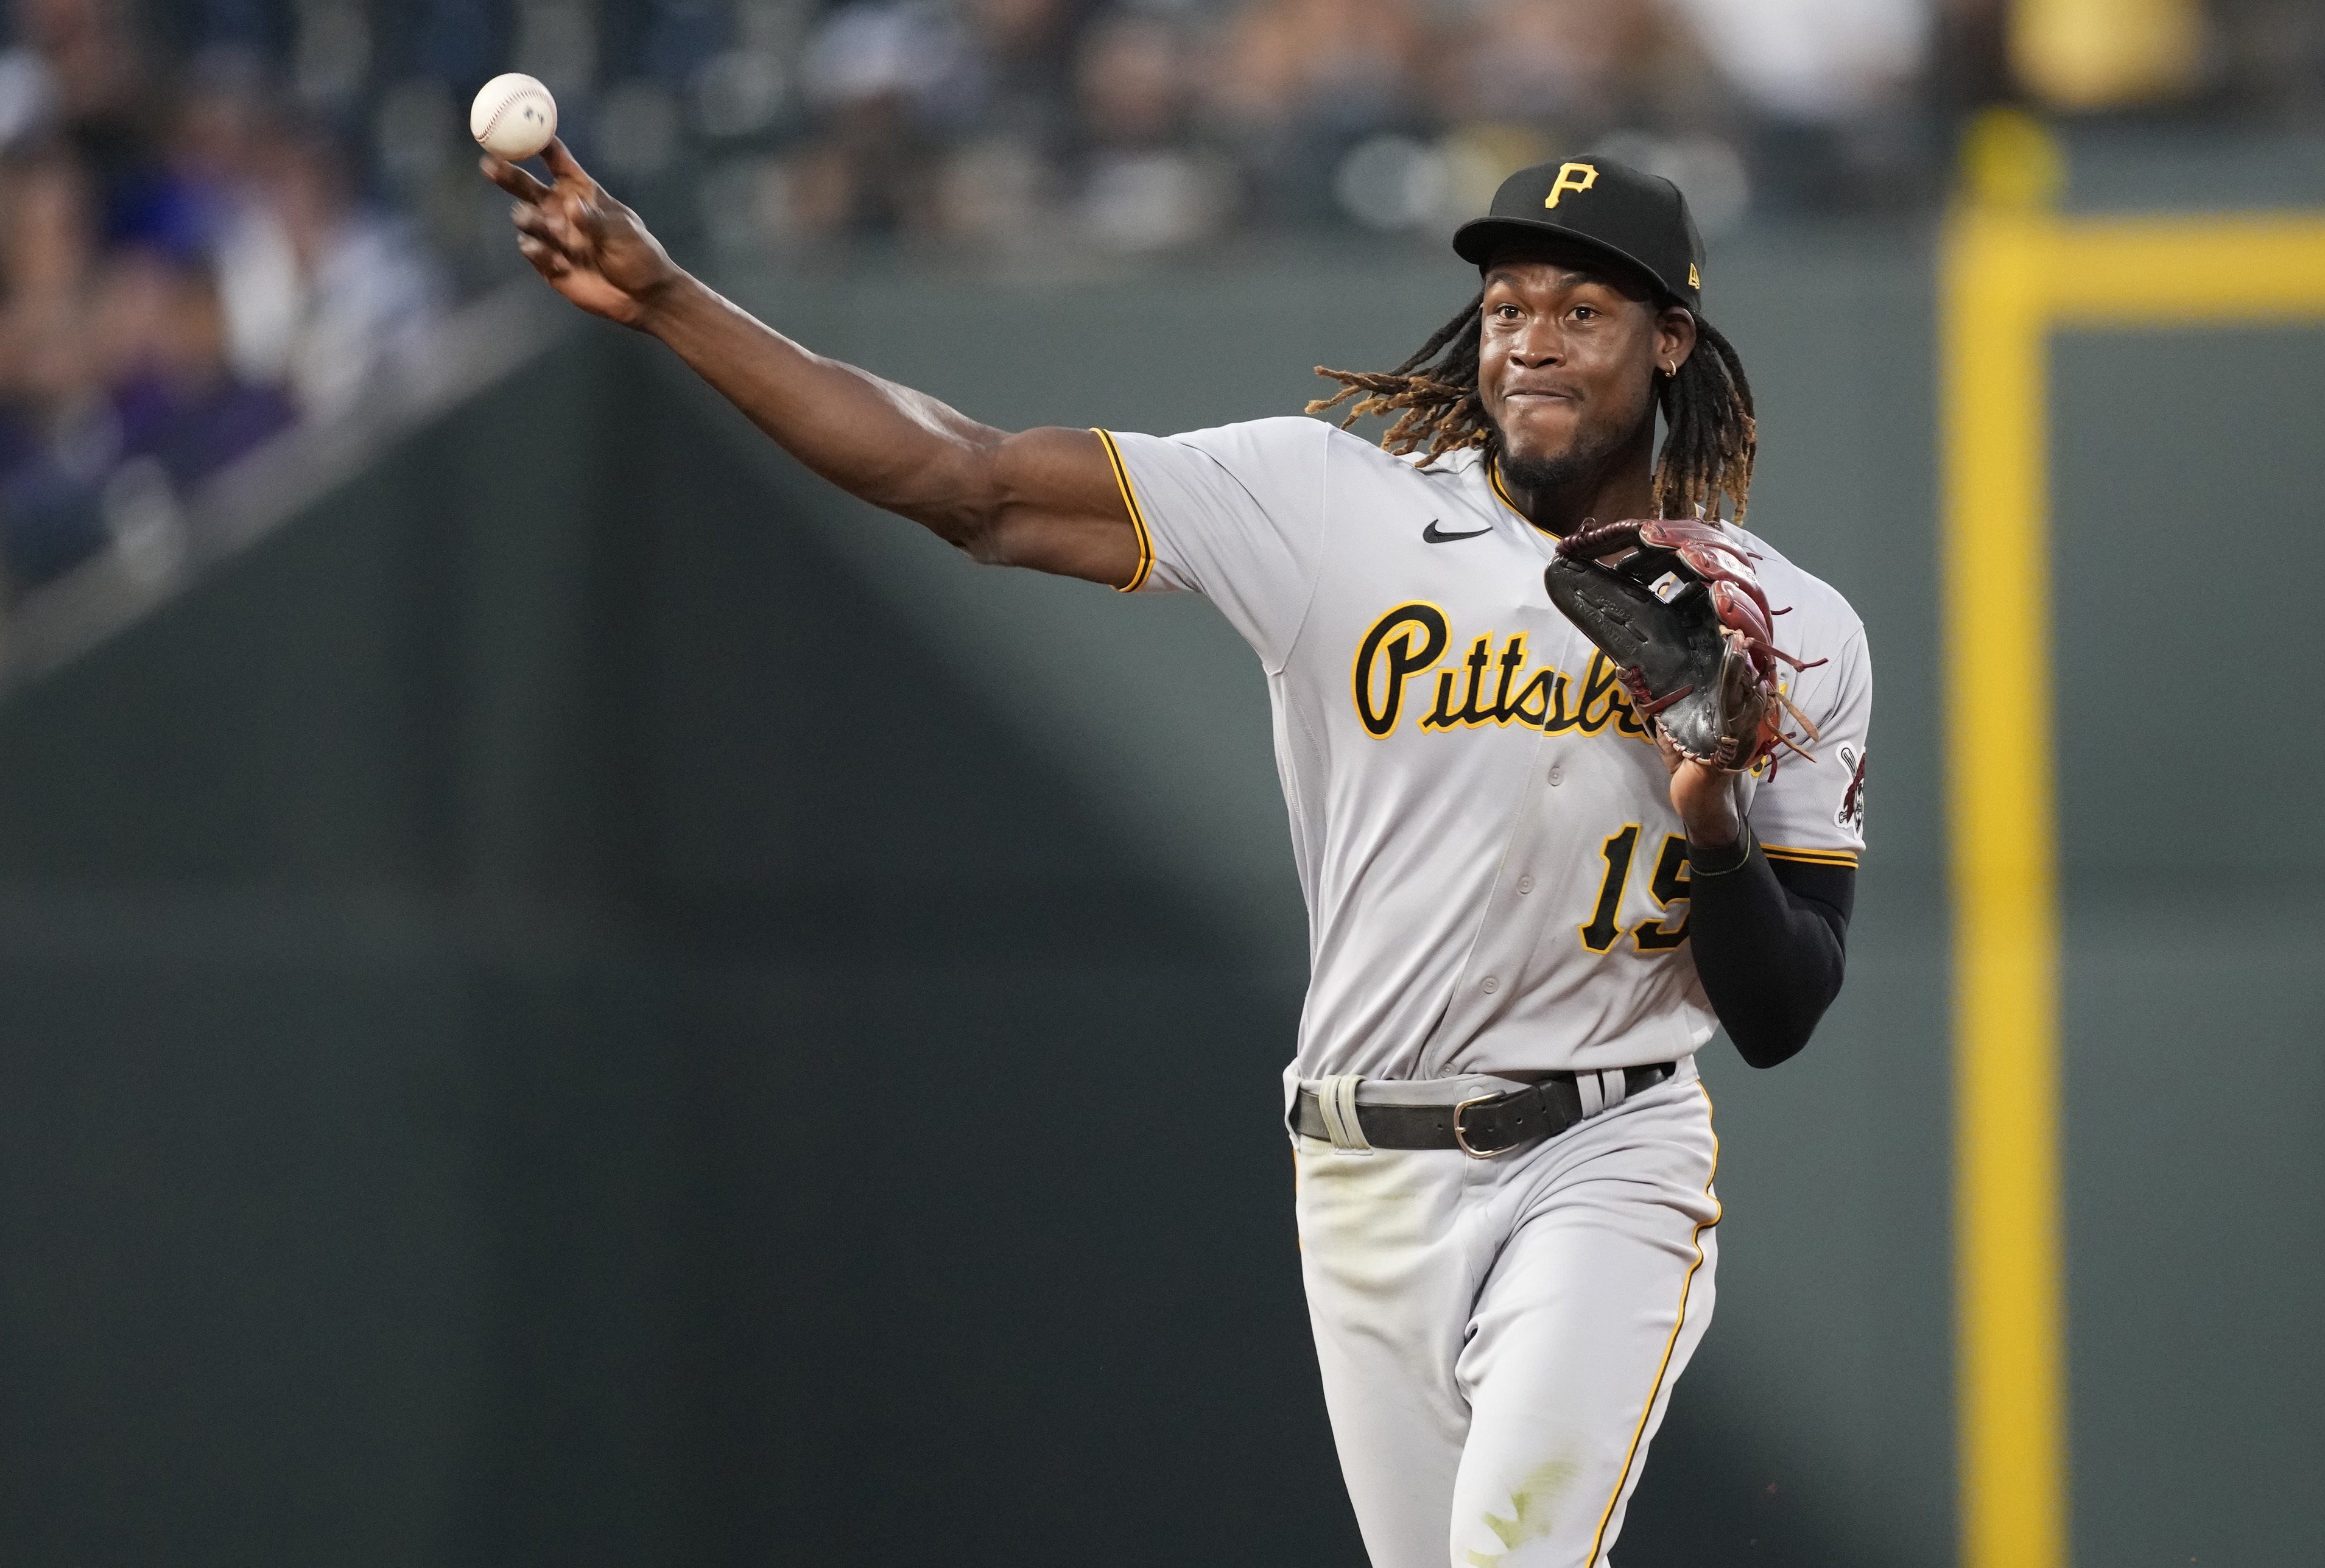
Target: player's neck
1558 500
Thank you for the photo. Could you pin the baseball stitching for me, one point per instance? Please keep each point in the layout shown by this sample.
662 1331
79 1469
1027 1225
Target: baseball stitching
506 105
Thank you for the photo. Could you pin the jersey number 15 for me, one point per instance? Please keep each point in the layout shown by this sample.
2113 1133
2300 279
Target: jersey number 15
1669 886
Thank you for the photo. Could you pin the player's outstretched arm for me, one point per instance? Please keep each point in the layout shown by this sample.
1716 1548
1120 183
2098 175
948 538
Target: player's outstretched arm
1044 498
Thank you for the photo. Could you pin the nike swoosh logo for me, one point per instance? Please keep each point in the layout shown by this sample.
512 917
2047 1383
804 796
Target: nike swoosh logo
1436 536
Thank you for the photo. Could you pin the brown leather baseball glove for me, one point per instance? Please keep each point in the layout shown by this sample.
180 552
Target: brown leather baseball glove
1676 605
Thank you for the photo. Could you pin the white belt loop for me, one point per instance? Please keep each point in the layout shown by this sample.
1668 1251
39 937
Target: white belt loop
1614 1085
1336 1097
1594 1099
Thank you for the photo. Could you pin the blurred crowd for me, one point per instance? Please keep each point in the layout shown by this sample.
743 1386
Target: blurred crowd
219 217
1154 124
986 128
1151 124
186 267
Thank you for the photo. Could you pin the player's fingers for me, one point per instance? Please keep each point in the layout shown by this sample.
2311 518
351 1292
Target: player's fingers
550 225
516 181
564 165
547 260
590 218
540 226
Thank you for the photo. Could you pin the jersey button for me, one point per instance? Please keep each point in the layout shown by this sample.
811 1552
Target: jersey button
1526 884
1491 985
1557 777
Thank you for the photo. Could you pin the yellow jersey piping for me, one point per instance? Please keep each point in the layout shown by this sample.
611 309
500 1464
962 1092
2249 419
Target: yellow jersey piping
1130 505
1663 1367
1811 857
1493 478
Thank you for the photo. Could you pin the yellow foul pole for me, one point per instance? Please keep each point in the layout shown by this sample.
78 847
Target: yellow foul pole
1995 575
2011 271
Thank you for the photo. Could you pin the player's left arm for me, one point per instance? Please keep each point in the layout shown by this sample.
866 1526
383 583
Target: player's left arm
1771 941
1771 933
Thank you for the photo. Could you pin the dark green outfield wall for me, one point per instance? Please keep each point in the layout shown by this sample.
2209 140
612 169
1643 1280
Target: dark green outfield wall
2186 478
507 986
498 1043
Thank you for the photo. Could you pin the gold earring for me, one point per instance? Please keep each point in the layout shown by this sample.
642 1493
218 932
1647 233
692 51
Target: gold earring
1672 369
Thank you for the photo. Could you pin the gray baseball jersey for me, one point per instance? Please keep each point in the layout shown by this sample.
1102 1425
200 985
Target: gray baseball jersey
1495 877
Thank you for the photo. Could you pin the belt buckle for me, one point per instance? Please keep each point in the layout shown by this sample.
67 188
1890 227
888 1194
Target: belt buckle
1461 1140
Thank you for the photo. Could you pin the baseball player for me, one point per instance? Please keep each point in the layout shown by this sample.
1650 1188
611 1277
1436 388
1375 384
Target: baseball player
1526 910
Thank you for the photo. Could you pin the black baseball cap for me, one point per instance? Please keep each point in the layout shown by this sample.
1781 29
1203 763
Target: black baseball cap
1602 206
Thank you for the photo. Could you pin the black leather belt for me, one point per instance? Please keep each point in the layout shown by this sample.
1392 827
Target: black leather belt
1492 1123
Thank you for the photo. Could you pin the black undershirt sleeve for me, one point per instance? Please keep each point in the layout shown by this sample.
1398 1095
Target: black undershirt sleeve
1770 939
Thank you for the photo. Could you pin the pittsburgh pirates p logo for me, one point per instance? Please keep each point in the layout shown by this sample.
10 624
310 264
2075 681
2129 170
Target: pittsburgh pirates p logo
1567 180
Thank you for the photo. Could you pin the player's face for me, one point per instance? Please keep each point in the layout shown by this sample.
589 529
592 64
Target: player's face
1567 359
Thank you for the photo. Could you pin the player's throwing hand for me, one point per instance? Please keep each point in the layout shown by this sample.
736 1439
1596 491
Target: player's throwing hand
590 248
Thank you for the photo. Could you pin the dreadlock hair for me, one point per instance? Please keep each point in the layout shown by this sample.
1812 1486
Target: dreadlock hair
1707 451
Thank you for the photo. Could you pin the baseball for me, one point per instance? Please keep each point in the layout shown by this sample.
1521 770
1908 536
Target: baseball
514 116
